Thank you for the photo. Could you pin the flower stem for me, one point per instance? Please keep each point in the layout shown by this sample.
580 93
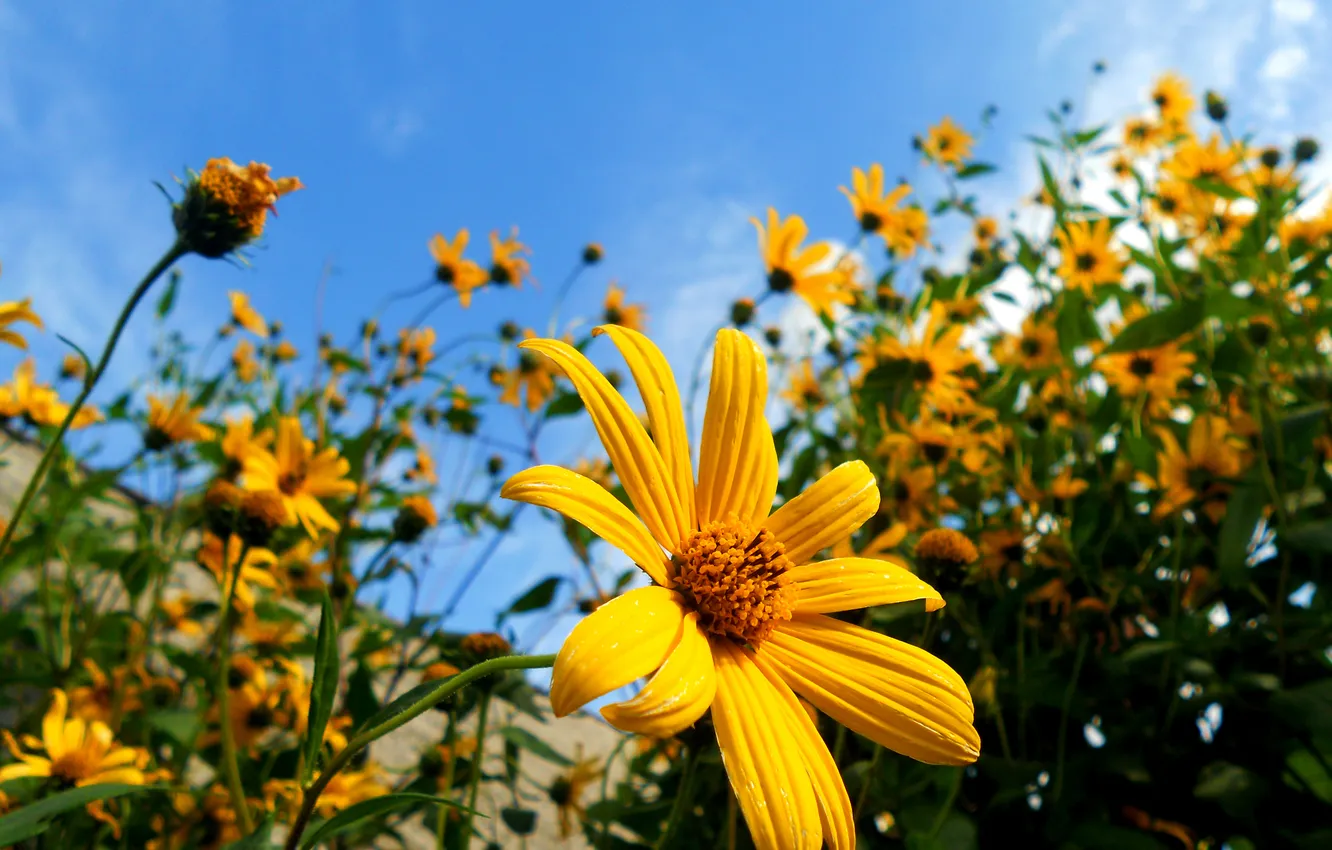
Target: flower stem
175 252
1061 744
230 768
682 795
478 758
415 710
451 744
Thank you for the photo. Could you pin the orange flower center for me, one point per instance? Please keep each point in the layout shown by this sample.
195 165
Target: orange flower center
291 481
75 765
735 579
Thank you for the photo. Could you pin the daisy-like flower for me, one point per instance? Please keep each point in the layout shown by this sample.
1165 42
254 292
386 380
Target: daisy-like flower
805 271
243 315
985 229
74 752
25 396
243 361
1087 258
13 312
566 792
1174 101
1202 469
1142 135
1035 347
736 618
350 787
177 422
872 208
226 206
532 377
240 440
804 390
508 265
453 269
254 571
616 312
1215 161
1156 372
947 144
416 350
301 474
935 359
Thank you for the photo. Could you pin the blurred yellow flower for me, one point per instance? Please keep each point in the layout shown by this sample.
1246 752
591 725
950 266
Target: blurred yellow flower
871 207
804 390
248 192
13 312
301 475
508 266
1156 372
616 312
74 752
791 268
243 361
174 423
243 315
947 144
453 269
1086 257
1174 101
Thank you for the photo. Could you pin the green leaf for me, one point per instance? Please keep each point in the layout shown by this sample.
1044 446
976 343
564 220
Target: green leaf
521 821
975 169
1147 649
324 687
181 725
337 358
168 299
35 818
353 815
1243 511
565 403
1161 327
260 839
1221 190
1312 537
537 597
401 704
534 745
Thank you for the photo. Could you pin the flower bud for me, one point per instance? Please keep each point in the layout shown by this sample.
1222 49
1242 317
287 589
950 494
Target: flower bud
742 312
592 254
1217 108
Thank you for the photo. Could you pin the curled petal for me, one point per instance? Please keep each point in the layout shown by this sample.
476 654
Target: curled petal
623 640
830 510
845 584
734 459
677 695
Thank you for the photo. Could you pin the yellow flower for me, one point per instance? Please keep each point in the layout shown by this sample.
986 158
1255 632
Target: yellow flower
284 351
255 570
804 390
1036 347
616 312
985 229
1212 162
1065 486
1141 135
947 144
1154 371
933 438
736 618
256 705
1086 256
418 347
177 611
1214 456
178 423
109 697
452 269
302 475
532 376
248 192
508 266
790 267
243 361
350 787
40 404
566 792
243 315
240 440
934 357
1173 100
73 367
872 208
13 312
75 752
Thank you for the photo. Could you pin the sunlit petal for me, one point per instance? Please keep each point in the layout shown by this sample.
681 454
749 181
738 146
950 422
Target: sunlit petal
677 695
733 465
845 584
830 510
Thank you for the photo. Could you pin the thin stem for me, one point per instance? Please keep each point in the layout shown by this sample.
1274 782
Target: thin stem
230 768
942 817
1062 743
869 780
474 781
564 291
683 793
175 252
450 744
415 710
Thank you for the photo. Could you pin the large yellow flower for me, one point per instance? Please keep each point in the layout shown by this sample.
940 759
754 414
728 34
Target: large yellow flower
302 475
1086 256
1154 371
736 618
13 312
75 752
791 268
1213 457
934 357
873 209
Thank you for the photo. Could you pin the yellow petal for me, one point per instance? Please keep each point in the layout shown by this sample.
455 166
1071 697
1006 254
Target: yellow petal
623 640
679 694
733 461
767 775
53 724
845 584
893 693
635 458
835 813
828 511
661 396
588 503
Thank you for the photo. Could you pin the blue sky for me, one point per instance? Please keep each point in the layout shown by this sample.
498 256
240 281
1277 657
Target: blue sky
655 129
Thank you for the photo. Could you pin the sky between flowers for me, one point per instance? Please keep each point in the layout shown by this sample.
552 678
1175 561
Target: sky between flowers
654 129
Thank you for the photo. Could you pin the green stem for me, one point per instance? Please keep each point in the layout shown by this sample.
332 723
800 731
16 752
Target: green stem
230 768
415 710
1062 742
442 816
474 781
682 799
942 817
869 780
175 252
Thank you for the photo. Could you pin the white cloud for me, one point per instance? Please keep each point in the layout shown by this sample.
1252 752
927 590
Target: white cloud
1285 63
1294 11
